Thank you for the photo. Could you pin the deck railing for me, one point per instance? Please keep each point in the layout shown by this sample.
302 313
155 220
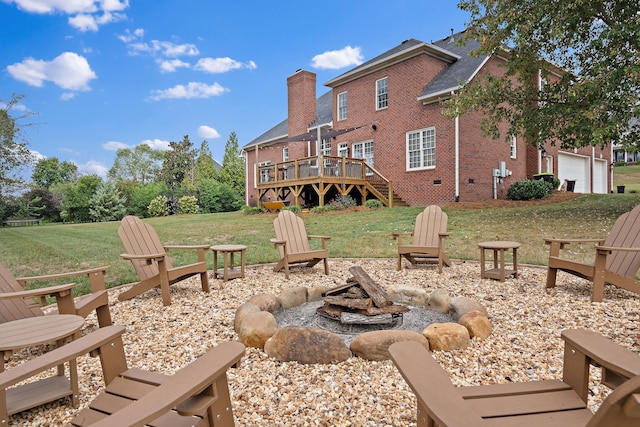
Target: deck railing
331 169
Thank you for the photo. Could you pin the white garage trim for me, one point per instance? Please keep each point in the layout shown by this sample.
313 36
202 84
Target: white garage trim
574 167
600 176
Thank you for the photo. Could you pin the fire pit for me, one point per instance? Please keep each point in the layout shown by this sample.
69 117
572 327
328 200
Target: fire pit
360 302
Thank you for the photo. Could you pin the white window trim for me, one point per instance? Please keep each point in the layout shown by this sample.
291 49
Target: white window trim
407 164
346 106
513 146
370 161
378 107
343 149
285 154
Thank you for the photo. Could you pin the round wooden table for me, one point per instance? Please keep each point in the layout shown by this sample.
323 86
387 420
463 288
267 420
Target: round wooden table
22 333
32 331
228 270
498 272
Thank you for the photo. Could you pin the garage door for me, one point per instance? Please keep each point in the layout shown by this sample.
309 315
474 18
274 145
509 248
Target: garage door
575 168
600 175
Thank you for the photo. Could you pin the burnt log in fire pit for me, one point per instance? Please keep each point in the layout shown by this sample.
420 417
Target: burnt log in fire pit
360 301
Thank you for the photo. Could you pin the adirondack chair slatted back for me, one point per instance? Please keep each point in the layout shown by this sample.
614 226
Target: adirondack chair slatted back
139 238
290 228
621 407
625 234
14 308
429 223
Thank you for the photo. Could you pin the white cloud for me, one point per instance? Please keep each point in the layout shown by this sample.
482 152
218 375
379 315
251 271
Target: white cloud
93 167
191 90
157 144
87 14
69 71
129 37
335 59
221 65
67 96
114 145
208 132
163 48
172 65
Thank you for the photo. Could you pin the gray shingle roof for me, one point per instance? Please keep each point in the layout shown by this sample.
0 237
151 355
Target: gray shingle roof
460 70
280 131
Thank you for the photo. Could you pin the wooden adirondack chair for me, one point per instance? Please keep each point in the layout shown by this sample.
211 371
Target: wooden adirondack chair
429 236
198 394
17 303
292 242
540 403
617 257
150 260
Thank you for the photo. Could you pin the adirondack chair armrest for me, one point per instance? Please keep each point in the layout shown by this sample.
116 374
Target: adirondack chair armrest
206 247
398 236
95 275
618 363
147 257
86 344
314 236
561 243
186 389
432 386
608 249
278 242
39 292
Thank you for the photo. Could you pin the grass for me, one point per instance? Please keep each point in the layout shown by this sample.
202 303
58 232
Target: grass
51 248
629 176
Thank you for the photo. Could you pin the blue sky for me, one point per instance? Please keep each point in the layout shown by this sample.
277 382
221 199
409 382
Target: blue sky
107 74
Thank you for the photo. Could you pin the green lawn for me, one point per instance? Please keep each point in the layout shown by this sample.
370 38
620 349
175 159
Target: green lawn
629 176
51 248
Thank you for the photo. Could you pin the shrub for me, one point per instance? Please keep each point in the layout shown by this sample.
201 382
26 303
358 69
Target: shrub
251 210
107 204
322 209
188 205
159 206
373 204
341 202
294 209
141 197
217 197
529 189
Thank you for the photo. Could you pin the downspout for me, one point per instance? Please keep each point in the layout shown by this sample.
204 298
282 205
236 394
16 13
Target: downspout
457 159
457 152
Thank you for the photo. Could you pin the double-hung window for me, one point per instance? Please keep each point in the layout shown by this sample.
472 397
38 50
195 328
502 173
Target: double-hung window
285 154
382 93
421 149
342 106
364 150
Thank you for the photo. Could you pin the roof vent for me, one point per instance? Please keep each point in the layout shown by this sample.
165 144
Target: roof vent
451 39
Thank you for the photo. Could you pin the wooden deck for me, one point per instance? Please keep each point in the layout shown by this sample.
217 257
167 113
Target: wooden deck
310 181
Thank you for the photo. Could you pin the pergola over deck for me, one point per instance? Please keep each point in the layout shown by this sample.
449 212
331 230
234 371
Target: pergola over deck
308 181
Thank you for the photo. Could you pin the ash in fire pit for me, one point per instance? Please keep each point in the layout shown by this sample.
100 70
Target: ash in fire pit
409 318
360 302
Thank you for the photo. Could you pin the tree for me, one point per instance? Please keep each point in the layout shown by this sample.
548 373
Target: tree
107 204
75 204
178 163
140 165
592 95
205 166
232 172
51 171
14 154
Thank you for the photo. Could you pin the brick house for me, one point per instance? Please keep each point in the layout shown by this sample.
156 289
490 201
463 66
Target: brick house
382 135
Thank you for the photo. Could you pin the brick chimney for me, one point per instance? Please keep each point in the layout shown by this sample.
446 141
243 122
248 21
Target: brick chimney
301 87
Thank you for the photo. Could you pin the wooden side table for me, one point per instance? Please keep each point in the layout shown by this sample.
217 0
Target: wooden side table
33 331
228 270
498 272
